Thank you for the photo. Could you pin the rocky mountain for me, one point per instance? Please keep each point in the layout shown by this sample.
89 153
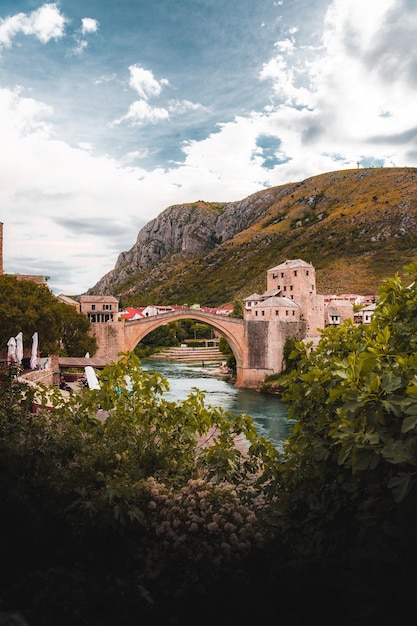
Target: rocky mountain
356 227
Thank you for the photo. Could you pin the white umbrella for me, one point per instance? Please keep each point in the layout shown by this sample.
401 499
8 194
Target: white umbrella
19 347
11 350
34 357
92 379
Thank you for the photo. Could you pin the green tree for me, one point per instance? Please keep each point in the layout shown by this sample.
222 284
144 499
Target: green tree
349 475
237 309
27 307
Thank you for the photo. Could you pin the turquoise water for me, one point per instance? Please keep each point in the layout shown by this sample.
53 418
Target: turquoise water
267 411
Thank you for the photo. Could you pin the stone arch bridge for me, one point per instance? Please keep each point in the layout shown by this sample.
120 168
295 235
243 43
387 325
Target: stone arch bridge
257 345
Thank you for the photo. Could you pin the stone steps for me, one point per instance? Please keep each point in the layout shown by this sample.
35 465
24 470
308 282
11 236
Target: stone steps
189 355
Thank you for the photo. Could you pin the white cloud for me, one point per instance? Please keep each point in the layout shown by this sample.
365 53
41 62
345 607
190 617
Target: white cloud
45 23
348 97
80 47
89 25
184 106
141 111
105 78
144 83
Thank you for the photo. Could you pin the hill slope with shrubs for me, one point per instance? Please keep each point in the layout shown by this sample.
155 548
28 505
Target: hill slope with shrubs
356 227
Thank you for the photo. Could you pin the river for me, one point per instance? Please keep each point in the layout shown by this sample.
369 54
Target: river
268 412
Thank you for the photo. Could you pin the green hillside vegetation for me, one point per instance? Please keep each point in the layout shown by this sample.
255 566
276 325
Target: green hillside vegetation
356 227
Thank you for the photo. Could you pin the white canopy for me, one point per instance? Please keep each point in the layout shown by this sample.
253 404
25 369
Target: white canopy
34 358
19 347
11 350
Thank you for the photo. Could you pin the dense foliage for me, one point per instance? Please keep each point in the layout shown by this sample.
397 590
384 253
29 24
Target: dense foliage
28 308
115 509
118 484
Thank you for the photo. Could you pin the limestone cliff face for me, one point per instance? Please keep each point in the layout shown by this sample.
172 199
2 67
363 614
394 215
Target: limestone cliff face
357 227
184 231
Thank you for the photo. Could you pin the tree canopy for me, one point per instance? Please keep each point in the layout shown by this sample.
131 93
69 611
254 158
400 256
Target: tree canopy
28 308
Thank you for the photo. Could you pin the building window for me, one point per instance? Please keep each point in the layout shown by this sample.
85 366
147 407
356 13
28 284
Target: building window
295 272
285 288
291 287
286 312
307 273
263 312
106 307
282 274
276 312
93 307
256 313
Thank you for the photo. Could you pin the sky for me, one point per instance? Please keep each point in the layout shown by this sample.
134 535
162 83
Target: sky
110 112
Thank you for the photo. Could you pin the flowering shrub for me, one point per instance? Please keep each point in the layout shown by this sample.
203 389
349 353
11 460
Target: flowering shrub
200 531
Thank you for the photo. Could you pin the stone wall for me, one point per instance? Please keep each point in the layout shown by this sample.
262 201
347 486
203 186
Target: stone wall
267 340
110 339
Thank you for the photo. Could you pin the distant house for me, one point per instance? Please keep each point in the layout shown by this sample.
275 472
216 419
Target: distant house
132 313
34 278
252 300
364 316
274 308
100 308
337 311
137 313
70 301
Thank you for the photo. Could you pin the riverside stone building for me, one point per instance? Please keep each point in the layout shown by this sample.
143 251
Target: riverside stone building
290 296
100 308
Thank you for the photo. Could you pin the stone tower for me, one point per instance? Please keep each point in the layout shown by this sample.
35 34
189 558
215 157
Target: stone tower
296 279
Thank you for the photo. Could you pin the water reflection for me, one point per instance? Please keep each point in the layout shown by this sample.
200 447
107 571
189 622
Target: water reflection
268 412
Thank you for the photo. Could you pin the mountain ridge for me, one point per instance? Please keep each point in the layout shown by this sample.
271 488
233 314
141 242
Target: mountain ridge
356 227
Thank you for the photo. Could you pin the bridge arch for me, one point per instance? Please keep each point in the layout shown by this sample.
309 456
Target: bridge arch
230 328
